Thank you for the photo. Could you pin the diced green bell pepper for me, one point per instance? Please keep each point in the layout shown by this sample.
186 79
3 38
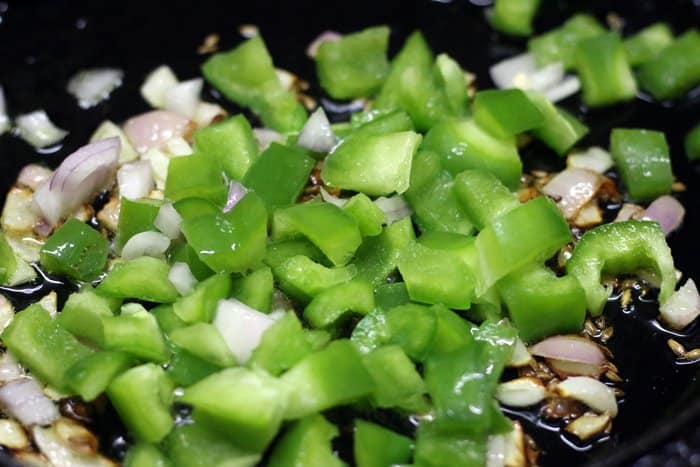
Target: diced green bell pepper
560 130
483 197
167 319
692 143
355 65
280 251
282 346
143 278
379 122
376 446
331 305
644 162
189 208
558 44
453 80
195 176
200 305
197 445
185 369
646 44
136 333
367 214
617 248
675 70
255 289
75 250
303 279
204 341
184 253
398 383
82 315
514 17
505 112
90 376
307 442
437 449
145 455
389 295
135 216
231 143
376 258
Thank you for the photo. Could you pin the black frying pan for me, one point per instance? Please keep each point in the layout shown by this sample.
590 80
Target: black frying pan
43 43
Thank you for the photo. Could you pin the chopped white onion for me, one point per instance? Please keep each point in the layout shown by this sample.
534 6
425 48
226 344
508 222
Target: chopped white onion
12 435
33 175
7 313
521 392
520 356
178 147
241 326
49 302
265 137
4 119
24 400
148 243
590 215
591 392
521 71
157 84
629 211
91 87
667 211
594 158
571 348
496 451
168 221
182 278
9 368
329 198
286 78
317 134
153 129
572 189
588 425
36 129
324 36
108 129
135 179
69 444
683 307
236 192
394 208
206 112
566 368
568 86
184 97
77 179
17 214
159 163
542 79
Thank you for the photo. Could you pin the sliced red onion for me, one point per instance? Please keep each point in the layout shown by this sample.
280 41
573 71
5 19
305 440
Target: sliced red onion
157 84
572 189
565 368
184 97
568 86
667 211
236 192
570 348
317 134
241 326
4 119
24 400
91 87
33 175
9 368
591 392
329 198
80 175
683 307
182 278
594 158
36 129
394 208
153 129
265 137
168 221
324 36
148 243
135 179
629 211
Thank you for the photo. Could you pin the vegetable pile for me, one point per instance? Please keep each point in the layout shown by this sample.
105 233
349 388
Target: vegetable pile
242 292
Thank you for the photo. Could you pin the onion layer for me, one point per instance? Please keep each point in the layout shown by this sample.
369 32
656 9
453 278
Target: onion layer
591 392
91 87
36 129
667 211
241 326
569 348
4 119
145 244
236 192
572 189
182 278
153 129
33 175
317 134
24 400
683 307
135 179
324 36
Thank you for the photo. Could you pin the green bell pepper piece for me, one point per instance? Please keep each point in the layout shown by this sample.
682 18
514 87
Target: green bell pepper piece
204 341
75 250
329 377
279 175
282 346
307 442
462 145
167 319
185 369
354 66
184 253
541 304
560 130
302 278
255 289
644 162
136 333
375 165
506 112
197 445
330 306
43 346
617 248
247 76
367 214
389 295
90 376
135 216
376 258
143 278
514 17
142 398
376 446
82 315
8 261
200 305
675 70
558 45
280 251
483 197
331 229
533 231
379 122
646 44
231 143
692 143
230 242
398 383
437 449
606 77
198 176
452 79
252 418
189 208
145 455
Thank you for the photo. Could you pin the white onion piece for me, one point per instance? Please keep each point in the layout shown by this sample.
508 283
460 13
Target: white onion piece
588 425
241 326
521 392
667 211
184 97
329 198
317 134
683 307
594 158
591 392
496 451
153 129
24 400
520 356
4 119
236 192
33 175
394 208
12 435
80 175
182 278
168 221
541 79
9 368
572 189
135 179
69 444
17 214
159 163
49 302
629 211
504 73
91 87
206 112
265 137
109 129
570 348
36 129
568 86
157 84
7 312
149 243
286 78
178 147
324 36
